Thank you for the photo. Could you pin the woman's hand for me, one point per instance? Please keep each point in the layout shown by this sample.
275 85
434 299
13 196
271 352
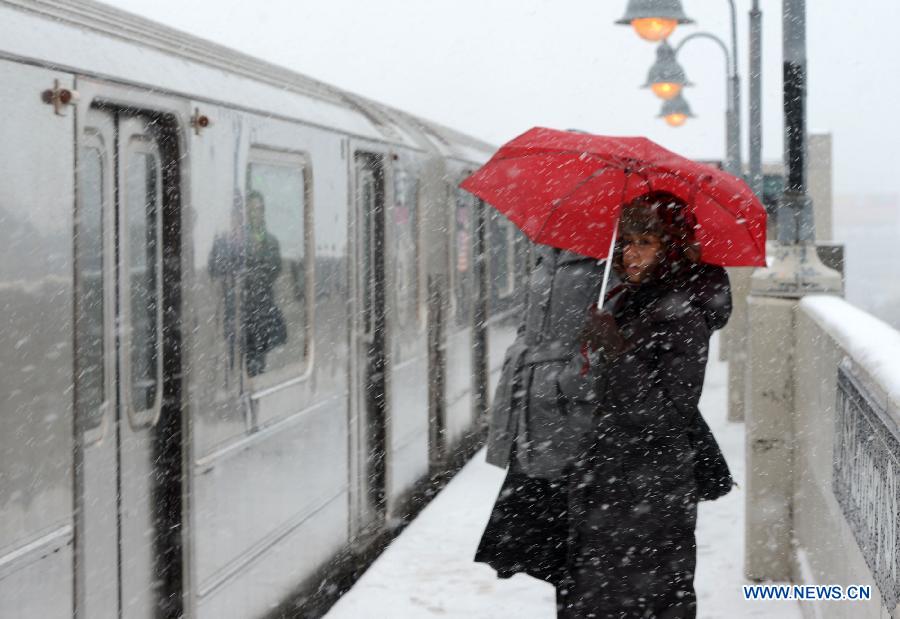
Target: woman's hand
601 333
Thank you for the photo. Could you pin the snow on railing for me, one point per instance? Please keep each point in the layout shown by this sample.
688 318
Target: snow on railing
872 344
845 504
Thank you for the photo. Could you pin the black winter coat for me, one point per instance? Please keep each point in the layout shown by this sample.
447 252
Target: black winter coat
617 535
652 390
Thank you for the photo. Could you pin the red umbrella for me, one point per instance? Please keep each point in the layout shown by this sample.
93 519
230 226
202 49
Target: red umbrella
566 190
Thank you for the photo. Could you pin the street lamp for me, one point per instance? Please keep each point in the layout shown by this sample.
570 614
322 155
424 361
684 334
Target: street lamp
666 78
658 18
676 111
654 20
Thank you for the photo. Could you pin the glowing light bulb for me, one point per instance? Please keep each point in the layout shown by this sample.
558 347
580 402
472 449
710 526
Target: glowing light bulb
676 120
654 28
666 90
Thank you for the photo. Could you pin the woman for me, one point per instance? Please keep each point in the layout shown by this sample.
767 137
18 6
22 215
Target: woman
629 499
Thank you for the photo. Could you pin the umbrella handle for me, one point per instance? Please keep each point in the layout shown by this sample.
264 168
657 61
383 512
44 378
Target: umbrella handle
609 259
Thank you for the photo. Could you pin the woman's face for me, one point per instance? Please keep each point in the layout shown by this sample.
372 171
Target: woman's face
640 255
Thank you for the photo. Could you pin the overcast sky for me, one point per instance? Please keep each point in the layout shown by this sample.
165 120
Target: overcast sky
494 68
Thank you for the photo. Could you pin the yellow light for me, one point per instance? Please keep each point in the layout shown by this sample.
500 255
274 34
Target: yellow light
666 90
676 120
654 28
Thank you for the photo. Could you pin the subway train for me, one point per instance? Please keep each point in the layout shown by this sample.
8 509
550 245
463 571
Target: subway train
248 321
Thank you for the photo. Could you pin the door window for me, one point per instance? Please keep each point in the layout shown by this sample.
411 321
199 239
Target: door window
89 293
502 255
276 296
368 209
405 236
143 264
461 266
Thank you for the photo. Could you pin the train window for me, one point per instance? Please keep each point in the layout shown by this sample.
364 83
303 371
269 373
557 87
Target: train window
461 266
405 236
90 369
144 270
275 302
369 204
502 251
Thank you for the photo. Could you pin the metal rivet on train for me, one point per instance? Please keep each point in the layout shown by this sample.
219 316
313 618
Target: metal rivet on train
199 121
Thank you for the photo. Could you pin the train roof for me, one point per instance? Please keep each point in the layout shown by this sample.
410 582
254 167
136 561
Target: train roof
90 38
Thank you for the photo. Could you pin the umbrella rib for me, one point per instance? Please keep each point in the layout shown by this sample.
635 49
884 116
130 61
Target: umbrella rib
563 197
721 207
718 204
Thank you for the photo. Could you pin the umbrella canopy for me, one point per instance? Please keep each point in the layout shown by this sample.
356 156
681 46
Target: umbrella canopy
566 189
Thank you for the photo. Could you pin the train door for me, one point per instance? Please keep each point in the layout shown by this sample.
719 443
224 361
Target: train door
368 422
128 563
408 410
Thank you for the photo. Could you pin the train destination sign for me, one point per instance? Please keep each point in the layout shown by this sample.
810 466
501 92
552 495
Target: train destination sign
866 481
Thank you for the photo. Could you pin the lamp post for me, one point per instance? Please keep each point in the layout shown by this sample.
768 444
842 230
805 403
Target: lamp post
667 75
655 20
795 221
796 225
794 270
756 176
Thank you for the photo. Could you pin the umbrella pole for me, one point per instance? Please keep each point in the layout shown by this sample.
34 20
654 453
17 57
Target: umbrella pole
609 259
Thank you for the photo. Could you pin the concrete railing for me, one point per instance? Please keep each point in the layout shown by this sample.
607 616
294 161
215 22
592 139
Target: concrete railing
824 480
734 336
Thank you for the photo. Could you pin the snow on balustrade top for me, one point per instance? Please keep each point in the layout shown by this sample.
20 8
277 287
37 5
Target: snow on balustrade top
872 344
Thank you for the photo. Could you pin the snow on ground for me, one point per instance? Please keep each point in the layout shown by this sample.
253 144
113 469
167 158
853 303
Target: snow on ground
428 570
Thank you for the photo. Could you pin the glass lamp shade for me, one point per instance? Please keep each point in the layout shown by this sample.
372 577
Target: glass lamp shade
654 28
654 20
676 111
676 120
666 90
666 77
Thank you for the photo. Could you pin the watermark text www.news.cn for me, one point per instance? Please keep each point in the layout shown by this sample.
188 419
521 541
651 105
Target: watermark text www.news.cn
807 592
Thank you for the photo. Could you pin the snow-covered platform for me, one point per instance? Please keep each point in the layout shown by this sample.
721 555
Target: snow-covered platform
428 570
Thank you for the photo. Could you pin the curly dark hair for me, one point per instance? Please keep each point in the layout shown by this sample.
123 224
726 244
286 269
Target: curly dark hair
665 215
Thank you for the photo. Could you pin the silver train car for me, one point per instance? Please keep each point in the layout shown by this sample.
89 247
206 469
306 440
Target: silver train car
248 321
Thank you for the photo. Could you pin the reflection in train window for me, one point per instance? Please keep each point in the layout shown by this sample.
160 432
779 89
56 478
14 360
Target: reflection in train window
369 205
144 262
89 302
461 265
502 245
274 300
405 237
